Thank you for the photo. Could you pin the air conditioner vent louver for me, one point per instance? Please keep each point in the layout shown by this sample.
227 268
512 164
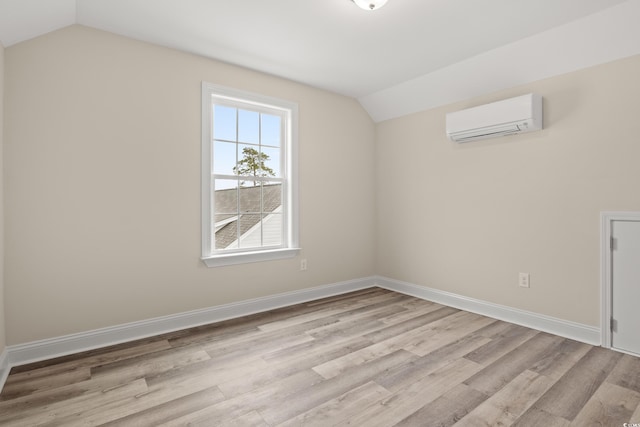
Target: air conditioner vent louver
510 116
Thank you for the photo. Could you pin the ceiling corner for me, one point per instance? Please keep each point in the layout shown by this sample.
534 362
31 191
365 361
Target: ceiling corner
22 20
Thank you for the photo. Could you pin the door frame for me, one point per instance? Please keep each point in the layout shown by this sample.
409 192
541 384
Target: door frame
606 282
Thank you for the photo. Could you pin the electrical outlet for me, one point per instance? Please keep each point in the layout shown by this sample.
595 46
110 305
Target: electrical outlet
523 280
303 264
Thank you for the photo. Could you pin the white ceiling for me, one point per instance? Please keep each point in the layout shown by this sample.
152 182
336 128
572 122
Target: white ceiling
409 48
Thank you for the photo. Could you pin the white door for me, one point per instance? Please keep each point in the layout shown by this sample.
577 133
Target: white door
625 293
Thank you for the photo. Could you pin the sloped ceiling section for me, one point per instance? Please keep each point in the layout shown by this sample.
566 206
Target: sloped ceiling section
406 57
596 39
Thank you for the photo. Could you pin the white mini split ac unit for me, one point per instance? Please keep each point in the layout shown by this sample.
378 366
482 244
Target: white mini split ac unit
507 117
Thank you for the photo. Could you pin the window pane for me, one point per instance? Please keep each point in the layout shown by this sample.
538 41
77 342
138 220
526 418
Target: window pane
226 196
224 123
272 226
251 231
226 213
224 157
251 163
251 199
270 130
272 197
248 126
271 162
226 232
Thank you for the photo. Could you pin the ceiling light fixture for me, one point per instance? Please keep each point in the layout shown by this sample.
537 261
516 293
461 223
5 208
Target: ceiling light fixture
370 4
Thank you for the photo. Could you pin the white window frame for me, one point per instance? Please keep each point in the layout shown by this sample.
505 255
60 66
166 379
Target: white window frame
290 245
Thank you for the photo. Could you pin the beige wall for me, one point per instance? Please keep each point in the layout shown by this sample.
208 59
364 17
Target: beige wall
467 218
2 320
102 148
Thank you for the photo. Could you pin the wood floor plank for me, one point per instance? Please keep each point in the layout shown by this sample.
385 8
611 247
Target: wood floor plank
128 405
304 318
610 405
59 411
400 341
626 373
203 335
339 408
162 412
414 308
17 388
51 397
410 323
326 390
573 390
635 418
504 407
337 366
501 372
370 295
405 375
444 334
246 380
347 307
318 350
96 356
223 355
393 342
263 341
154 363
409 399
495 330
501 344
276 394
88 359
535 417
250 419
277 368
555 364
355 324
204 374
446 410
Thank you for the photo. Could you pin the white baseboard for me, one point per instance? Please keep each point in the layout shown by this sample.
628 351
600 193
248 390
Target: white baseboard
4 367
61 346
564 328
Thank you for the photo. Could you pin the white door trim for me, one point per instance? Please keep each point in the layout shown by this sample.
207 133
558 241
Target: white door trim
606 284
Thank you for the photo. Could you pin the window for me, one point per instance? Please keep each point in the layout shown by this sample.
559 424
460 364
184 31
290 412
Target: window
249 206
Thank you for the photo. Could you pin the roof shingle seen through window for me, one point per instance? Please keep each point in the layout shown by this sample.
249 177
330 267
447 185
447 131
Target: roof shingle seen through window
250 212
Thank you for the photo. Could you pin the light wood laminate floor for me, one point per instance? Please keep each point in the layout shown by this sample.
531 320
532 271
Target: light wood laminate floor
369 358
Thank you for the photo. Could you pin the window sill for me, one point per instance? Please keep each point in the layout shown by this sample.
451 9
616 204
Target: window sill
247 257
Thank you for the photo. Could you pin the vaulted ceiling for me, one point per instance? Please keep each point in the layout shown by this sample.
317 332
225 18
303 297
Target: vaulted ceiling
405 57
